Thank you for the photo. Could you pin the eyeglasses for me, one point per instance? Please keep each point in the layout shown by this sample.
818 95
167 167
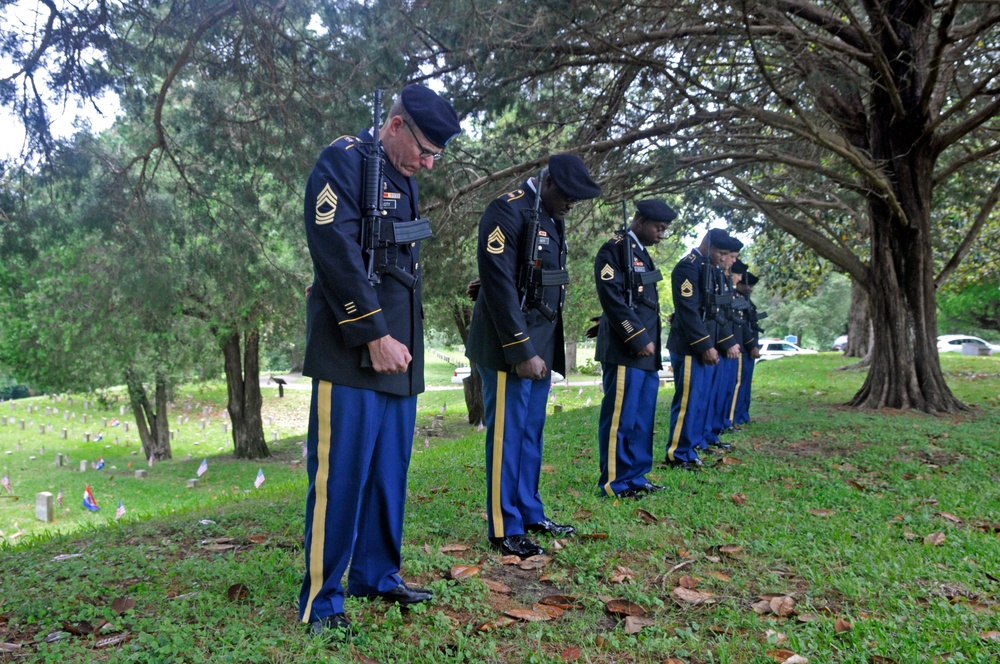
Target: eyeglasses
424 151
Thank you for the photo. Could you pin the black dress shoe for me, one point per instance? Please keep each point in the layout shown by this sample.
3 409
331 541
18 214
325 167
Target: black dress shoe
336 626
649 487
634 494
516 545
706 450
550 527
690 466
403 594
721 445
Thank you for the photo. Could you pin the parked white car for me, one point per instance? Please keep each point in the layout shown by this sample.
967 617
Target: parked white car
773 349
952 343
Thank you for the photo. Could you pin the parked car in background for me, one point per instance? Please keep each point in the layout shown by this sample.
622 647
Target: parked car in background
840 343
773 349
952 343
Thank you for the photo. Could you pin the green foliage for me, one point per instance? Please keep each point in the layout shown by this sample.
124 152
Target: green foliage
973 309
815 320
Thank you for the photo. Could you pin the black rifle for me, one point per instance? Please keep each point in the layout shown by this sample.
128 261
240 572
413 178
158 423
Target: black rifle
376 237
532 279
627 267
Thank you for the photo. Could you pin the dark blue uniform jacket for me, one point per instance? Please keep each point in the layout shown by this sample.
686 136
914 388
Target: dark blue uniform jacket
689 332
624 330
344 309
501 334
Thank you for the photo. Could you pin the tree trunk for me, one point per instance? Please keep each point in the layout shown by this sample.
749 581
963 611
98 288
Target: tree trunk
243 386
152 423
905 369
570 346
859 323
462 315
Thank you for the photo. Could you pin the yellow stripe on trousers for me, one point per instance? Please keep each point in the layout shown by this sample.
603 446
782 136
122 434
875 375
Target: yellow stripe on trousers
684 407
736 392
323 402
497 460
613 435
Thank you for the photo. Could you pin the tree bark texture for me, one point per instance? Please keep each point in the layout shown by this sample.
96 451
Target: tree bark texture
859 323
243 385
152 423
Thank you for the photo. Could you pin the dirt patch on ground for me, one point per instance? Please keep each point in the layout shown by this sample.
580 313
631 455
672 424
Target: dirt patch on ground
817 447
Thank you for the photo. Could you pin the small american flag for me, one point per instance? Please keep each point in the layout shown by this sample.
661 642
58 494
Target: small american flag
59 497
120 512
5 481
588 401
260 478
99 464
203 468
480 427
580 393
114 422
88 500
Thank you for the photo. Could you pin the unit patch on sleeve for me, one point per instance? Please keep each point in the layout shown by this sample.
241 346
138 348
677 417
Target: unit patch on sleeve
687 290
608 273
326 205
496 242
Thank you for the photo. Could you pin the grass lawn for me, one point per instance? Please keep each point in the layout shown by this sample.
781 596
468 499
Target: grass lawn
826 534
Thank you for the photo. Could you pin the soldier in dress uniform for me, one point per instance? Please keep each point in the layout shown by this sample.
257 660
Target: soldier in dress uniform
695 331
751 345
730 348
516 339
364 352
628 348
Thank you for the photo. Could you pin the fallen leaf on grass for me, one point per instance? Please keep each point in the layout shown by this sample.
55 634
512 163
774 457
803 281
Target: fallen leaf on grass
949 517
840 626
365 659
581 515
822 513
730 461
452 548
219 547
622 574
719 575
782 656
237 592
565 602
634 625
688 581
528 615
594 536
571 654
774 637
498 587
730 549
991 636
510 560
692 596
258 539
782 606
623 607
496 623
122 604
535 562
464 571
935 539
10 647
673 660
555 577
854 485
762 607
113 640
738 498
553 611
646 516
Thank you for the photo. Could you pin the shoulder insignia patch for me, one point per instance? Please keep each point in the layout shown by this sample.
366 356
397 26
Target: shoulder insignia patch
512 195
496 242
348 140
687 290
326 205
690 257
608 273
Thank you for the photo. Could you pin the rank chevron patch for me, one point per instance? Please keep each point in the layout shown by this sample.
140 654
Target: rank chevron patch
496 242
326 206
608 273
687 290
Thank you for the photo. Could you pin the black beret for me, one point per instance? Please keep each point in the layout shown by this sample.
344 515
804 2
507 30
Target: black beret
751 278
654 210
433 115
570 174
739 267
723 240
